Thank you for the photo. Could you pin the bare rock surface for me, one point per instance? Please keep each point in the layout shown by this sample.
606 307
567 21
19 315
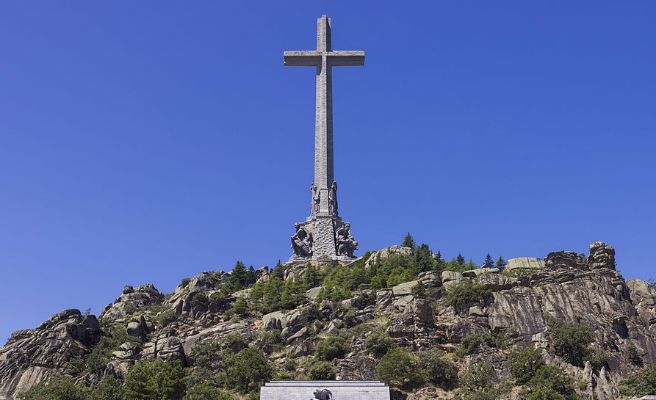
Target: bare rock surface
565 286
32 355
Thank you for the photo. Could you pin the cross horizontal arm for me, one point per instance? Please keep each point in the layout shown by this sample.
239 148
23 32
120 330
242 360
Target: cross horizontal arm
302 58
345 58
335 58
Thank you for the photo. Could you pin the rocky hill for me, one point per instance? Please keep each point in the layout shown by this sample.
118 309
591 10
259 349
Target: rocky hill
578 312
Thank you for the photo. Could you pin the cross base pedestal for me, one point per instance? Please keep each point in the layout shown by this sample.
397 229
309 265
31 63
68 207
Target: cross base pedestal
323 238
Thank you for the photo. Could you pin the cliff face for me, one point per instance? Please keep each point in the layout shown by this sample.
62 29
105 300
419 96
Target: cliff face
32 355
564 286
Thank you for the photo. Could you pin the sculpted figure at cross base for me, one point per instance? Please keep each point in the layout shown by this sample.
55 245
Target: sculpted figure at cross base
332 199
316 200
346 245
323 394
302 242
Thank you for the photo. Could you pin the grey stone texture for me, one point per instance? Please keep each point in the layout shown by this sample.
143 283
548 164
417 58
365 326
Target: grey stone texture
325 390
323 236
602 255
524 263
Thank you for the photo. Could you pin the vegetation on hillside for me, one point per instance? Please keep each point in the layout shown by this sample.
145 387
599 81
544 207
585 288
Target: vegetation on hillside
237 366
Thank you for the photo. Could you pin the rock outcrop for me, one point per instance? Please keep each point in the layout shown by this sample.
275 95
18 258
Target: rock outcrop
32 355
565 286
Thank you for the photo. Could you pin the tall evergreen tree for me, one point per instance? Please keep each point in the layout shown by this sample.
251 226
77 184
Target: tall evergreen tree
424 258
460 259
311 277
252 276
279 270
501 263
409 241
489 262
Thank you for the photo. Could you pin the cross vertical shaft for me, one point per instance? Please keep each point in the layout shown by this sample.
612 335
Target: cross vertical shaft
323 59
323 131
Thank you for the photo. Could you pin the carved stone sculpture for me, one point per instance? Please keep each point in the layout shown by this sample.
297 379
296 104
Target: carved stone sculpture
302 242
346 245
332 199
316 200
602 255
323 394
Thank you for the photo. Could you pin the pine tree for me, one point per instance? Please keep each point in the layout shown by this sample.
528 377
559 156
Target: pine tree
408 241
271 294
238 277
311 277
501 263
279 270
460 259
489 262
251 277
424 259
292 295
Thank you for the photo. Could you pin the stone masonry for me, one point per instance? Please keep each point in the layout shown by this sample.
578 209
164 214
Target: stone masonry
323 236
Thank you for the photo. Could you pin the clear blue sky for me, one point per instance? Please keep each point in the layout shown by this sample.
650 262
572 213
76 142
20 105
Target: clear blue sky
148 141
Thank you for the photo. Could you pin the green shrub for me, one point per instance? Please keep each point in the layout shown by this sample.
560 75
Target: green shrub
312 276
570 340
597 359
419 291
155 380
458 265
206 354
550 380
524 363
247 370
96 361
240 307
200 302
109 388
204 391
218 301
633 355
542 393
333 347
437 370
235 343
165 317
290 364
480 394
479 376
497 340
640 384
185 281
521 272
293 294
468 293
62 388
321 370
350 318
470 344
266 295
364 299
270 341
398 368
378 343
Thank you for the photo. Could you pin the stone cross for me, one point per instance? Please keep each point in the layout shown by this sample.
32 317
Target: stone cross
323 236
323 59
